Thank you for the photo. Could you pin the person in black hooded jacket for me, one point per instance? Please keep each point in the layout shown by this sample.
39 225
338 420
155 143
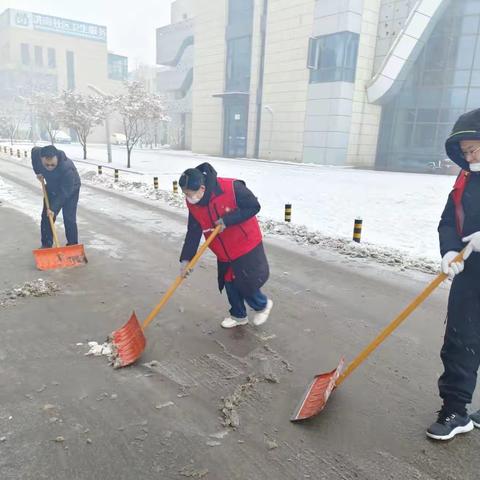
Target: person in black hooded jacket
63 188
242 263
459 229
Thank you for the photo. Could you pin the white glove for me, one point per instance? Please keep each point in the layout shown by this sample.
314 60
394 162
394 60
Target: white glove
473 244
449 268
184 270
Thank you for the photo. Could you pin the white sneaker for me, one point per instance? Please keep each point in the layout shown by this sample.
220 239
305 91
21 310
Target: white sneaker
232 322
262 316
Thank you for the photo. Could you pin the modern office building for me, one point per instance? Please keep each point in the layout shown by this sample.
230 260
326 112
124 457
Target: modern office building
367 83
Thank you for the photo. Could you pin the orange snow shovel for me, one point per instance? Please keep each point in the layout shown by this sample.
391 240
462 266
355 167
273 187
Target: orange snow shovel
318 392
129 341
58 257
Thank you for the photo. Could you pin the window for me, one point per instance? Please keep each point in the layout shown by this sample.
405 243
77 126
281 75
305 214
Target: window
117 67
333 58
70 71
52 58
313 48
240 11
25 52
38 56
238 64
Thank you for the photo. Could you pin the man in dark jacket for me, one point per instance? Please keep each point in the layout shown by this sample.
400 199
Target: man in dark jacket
63 188
460 228
242 264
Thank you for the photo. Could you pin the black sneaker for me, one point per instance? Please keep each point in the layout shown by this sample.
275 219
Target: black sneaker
448 425
475 417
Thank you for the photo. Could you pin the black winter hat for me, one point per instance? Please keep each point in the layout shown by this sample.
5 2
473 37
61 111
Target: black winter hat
49 151
192 179
467 127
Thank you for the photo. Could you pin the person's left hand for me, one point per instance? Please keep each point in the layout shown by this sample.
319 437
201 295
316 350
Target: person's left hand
473 244
221 223
50 213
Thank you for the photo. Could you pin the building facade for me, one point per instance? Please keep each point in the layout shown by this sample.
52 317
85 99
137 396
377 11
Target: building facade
175 46
367 83
41 53
44 53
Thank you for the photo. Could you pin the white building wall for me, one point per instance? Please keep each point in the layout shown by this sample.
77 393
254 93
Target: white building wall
393 15
209 76
289 27
362 145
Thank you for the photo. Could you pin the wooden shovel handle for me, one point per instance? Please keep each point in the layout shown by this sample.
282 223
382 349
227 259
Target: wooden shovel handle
387 331
180 279
52 223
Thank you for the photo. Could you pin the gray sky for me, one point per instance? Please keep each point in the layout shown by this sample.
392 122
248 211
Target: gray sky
131 23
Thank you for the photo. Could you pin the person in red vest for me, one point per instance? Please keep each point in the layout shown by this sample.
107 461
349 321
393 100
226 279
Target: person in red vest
242 264
459 228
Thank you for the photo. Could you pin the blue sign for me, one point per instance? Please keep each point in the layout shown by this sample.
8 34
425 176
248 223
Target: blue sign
46 23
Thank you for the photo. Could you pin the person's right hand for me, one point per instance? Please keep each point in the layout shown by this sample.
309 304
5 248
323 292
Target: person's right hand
40 177
184 270
451 268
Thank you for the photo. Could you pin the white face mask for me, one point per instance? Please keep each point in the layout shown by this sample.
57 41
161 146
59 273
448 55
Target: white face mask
475 167
193 200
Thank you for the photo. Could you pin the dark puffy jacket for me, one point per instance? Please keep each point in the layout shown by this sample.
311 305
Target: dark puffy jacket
467 127
62 182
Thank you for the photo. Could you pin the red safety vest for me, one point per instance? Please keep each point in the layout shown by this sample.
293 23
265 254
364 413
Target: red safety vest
457 195
236 240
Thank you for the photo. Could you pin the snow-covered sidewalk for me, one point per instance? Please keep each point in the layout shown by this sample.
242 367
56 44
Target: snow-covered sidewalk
400 211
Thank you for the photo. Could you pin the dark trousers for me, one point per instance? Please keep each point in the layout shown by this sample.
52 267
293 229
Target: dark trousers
461 349
257 301
69 212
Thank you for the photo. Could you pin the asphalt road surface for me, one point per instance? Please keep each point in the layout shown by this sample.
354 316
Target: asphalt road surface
66 416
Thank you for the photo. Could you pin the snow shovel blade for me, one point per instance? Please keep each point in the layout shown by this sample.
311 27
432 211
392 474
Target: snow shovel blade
128 343
61 257
317 394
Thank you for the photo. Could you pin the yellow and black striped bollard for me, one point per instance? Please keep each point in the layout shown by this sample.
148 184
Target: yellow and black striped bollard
100 171
155 183
116 175
357 230
11 152
288 212
175 186
25 154
19 155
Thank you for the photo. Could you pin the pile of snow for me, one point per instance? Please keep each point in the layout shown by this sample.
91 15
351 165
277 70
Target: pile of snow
387 256
37 288
100 350
230 403
106 349
137 187
300 234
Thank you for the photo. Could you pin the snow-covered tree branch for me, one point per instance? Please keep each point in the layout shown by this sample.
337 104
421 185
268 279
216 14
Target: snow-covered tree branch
82 113
138 109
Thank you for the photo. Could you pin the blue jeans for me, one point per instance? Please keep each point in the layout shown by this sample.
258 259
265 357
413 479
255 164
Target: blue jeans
69 210
257 301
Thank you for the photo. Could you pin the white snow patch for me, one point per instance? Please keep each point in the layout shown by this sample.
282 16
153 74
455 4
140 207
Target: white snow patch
100 350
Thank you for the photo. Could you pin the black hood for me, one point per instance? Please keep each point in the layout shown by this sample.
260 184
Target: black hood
467 127
210 182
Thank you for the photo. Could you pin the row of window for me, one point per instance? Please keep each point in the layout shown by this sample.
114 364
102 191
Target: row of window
38 56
